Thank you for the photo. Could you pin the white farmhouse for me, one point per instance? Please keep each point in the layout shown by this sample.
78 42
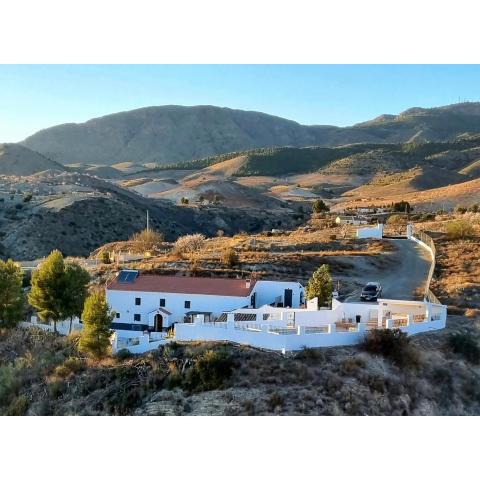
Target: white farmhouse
155 302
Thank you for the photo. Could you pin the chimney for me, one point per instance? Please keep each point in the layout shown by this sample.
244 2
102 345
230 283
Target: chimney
247 284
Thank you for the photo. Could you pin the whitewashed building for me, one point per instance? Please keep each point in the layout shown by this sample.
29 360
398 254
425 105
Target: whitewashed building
155 302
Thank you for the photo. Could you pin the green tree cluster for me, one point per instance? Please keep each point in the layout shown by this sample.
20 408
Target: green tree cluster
58 289
12 300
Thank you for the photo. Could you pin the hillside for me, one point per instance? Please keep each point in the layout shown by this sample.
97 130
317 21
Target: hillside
18 160
447 197
412 180
77 213
171 134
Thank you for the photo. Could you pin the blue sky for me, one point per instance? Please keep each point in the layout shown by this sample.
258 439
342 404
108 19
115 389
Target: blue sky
33 97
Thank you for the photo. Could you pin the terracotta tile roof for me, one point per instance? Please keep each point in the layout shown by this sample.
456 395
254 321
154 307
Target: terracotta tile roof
190 285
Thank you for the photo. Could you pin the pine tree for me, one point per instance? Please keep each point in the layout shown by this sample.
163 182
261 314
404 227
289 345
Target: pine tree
320 285
48 285
75 291
12 299
96 318
319 206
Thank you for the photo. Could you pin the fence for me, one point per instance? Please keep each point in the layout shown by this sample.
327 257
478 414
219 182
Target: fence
428 242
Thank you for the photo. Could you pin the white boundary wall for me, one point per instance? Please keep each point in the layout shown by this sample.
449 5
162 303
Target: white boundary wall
63 327
371 232
264 337
268 334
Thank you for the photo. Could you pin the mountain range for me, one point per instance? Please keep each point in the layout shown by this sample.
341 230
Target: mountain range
171 134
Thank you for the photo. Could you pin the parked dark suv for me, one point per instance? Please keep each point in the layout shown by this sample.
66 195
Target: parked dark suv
371 291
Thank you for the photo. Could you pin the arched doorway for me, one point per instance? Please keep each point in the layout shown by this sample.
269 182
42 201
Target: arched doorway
158 322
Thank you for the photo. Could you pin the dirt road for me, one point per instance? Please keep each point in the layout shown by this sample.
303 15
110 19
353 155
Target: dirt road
401 272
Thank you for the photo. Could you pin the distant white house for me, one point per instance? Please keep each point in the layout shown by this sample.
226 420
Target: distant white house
144 302
350 220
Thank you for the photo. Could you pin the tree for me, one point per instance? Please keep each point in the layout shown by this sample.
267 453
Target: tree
75 291
12 300
184 201
47 292
319 206
320 285
402 206
96 318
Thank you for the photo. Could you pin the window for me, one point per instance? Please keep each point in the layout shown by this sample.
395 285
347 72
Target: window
162 302
187 303
117 315
138 301
137 317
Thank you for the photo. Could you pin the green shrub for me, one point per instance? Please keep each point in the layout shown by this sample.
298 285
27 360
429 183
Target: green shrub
123 354
465 345
275 400
71 365
392 344
19 406
9 384
56 389
210 371
310 354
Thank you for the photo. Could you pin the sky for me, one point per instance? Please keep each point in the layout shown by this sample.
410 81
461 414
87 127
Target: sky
33 97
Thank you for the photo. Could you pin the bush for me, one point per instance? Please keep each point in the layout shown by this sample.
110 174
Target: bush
230 257
105 257
396 220
310 354
466 346
460 229
147 239
19 406
189 245
210 371
392 344
123 354
275 400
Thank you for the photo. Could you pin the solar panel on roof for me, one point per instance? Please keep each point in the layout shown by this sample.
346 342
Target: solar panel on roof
127 276
122 276
131 277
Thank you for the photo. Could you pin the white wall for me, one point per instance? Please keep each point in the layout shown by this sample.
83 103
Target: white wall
124 303
370 232
63 326
297 340
267 291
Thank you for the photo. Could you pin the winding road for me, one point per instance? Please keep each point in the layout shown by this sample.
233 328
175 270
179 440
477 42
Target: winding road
401 272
